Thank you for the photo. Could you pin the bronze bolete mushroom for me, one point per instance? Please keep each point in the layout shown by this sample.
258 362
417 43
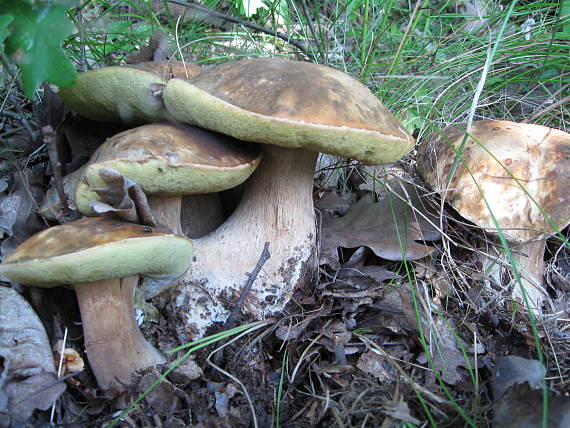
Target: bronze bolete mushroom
519 173
295 109
102 260
126 94
168 161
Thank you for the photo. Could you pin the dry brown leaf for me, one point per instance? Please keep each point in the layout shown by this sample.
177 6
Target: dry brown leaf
378 366
518 396
390 228
445 353
123 198
18 217
27 372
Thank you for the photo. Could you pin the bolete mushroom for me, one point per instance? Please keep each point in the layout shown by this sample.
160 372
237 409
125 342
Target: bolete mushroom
295 109
127 94
167 161
102 260
519 173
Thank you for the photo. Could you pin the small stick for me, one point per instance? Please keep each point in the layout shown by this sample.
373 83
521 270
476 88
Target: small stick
49 141
243 296
246 289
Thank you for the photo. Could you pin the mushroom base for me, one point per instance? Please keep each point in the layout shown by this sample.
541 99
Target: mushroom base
115 347
530 261
277 207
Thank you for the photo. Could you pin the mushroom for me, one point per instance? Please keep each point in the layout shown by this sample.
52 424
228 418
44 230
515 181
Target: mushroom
296 109
102 260
128 94
519 172
168 161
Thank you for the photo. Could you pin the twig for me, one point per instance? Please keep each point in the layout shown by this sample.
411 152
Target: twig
298 44
246 289
243 296
547 109
49 141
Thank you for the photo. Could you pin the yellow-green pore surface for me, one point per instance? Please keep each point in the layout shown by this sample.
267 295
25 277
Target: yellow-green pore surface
291 104
500 160
92 249
124 94
166 159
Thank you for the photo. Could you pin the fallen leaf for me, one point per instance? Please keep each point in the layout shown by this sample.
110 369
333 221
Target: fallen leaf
163 399
512 370
333 202
18 217
28 377
390 228
444 350
122 198
519 396
378 366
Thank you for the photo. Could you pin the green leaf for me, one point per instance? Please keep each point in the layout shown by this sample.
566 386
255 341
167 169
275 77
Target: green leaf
4 22
34 43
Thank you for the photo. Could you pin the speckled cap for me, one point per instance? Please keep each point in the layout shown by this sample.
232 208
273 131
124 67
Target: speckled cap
125 94
291 104
169 160
93 249
501 157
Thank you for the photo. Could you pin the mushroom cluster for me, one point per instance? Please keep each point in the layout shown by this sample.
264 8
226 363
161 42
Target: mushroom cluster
511 178
293 109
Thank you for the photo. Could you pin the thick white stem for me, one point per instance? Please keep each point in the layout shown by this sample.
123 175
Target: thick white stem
115 347
530 260
277 207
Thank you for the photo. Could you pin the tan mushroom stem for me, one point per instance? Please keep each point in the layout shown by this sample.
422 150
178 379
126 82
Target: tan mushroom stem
166 211
115 346
277 207
530 261
201 215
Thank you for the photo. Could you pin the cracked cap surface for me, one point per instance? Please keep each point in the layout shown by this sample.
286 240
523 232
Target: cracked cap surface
536 156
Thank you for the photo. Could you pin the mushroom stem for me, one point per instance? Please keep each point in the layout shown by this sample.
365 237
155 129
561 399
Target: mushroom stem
191 215
530 261
166 211
277 207
114 344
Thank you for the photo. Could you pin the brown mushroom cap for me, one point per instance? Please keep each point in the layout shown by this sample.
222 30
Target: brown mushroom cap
169 160
292 104
537 156
124 94
94 249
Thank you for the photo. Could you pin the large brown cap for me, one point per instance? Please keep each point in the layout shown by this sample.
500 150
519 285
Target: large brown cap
498 160
167 159
93 249
125 94
291 104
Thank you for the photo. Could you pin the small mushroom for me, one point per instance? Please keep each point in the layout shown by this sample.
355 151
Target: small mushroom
102 260
520 173
295 109
128 94
168 161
